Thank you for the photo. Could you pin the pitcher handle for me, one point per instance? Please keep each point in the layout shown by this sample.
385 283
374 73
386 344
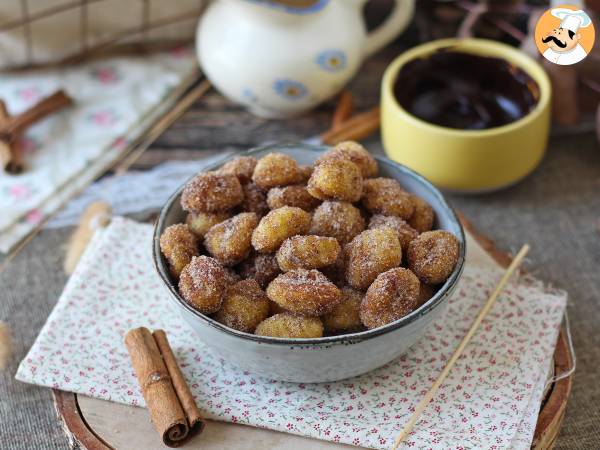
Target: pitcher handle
391 27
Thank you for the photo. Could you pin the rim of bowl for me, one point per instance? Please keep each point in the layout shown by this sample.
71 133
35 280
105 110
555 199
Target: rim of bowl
479 47
433 302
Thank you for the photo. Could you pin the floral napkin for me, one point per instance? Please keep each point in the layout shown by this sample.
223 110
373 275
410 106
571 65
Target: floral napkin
490 399
115 100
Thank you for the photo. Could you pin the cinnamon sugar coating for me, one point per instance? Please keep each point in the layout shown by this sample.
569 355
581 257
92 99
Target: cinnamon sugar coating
423 216
392 295
211 192
275 169
338 179
286 325
405 232
201 222
274 308
304 292
262 268
386 196
426 291
345 316
340 220
336 272
202 284
296 195
242 167
255 200
433 255
304 173
354 152
230 241
178 245
277 226
371 253
286 241
307 252
245 305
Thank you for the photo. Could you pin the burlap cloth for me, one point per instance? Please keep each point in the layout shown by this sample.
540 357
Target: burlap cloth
556 210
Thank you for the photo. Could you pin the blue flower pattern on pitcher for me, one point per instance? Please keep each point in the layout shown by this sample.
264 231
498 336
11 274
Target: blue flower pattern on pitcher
290 89
297 10
332 60
249 95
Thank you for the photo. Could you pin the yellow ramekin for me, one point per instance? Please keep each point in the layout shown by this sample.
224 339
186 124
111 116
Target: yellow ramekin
466 160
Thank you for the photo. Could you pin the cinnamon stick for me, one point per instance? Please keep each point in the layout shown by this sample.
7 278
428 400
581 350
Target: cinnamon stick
343 109
53 103
166 408
193 414
12 127
5 149
358 127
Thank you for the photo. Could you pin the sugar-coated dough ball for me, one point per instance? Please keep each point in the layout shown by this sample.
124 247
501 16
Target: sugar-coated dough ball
230 241
371 253
433 255
304 173
242 167
295 195
423 216
386 196
405 232
336 272
231 276
275 169
202 284
340 220
260 267
304 292
178 245
245 305
345 317
338 179
307 252
255 200
277 226
274 308
392 295
201 222
426 291
286 325
354 152
211 192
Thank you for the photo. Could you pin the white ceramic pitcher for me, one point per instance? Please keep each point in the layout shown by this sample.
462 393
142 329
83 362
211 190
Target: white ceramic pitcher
280 60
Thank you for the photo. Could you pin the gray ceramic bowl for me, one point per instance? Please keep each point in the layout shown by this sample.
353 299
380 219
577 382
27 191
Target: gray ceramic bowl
327 358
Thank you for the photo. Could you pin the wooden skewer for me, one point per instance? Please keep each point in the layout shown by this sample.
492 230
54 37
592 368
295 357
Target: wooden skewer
165 122
442 376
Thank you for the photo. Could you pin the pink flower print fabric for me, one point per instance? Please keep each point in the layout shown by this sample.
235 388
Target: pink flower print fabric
489 400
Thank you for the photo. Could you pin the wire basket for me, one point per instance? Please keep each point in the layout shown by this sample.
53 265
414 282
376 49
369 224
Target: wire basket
41 32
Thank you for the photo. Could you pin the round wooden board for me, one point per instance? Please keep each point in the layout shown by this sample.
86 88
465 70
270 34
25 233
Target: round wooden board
549 420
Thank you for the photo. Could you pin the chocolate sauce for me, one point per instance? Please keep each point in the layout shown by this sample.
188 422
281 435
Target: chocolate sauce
466 91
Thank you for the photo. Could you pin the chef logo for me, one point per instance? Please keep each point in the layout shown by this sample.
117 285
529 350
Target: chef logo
564 35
